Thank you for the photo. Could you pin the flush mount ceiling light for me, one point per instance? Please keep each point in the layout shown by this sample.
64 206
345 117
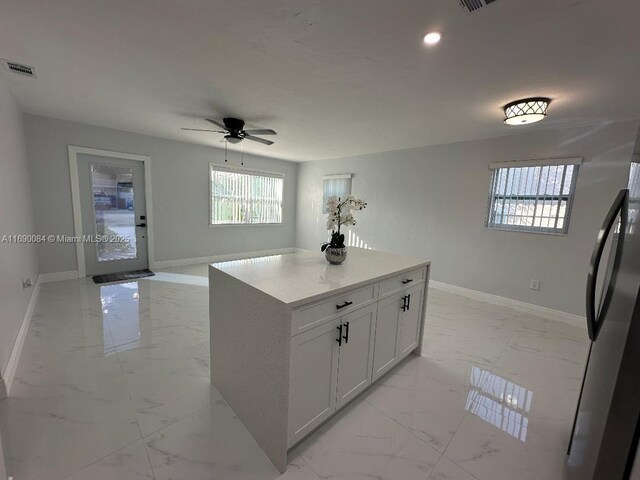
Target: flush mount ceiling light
528 110
432 38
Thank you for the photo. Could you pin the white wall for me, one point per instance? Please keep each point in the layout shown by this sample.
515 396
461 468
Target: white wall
17 261
431 203
179 176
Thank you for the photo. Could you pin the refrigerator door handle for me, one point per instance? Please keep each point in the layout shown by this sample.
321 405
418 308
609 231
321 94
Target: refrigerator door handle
619 205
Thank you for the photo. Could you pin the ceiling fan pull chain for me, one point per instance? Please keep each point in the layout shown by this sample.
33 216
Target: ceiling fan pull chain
225 150
241 155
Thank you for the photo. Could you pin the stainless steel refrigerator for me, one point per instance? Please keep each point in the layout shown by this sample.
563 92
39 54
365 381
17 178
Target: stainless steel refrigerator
604 441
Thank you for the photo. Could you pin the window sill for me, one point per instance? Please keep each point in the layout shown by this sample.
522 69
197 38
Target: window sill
517 230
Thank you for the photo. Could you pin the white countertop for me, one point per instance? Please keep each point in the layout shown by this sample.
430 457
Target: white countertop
296 278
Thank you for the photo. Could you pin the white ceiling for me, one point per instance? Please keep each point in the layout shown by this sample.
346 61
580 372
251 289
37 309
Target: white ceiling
333 78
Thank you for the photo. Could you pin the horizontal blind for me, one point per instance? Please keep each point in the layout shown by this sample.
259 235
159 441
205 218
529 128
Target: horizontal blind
245 197
537 163
532 198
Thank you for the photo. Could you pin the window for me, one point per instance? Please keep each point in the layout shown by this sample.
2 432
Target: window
240 196
338 185
532 196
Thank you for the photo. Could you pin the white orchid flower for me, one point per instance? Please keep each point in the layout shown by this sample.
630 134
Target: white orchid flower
340 211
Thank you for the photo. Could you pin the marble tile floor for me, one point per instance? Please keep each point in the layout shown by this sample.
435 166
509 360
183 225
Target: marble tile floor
113 383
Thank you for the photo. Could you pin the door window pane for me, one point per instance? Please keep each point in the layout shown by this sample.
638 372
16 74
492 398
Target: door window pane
113 204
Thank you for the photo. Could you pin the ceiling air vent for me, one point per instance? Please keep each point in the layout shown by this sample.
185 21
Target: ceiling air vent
20 68
473 5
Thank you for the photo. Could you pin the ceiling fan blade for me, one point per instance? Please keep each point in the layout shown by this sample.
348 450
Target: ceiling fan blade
258 139
266 131
217 123
200 130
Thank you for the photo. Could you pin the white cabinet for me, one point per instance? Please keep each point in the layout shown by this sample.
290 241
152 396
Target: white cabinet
330 365
411 321
356 353
402 282
341 345
385 350
275 354
313 379
398 328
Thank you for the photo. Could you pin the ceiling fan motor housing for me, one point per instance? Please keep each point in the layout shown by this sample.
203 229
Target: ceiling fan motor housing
235 125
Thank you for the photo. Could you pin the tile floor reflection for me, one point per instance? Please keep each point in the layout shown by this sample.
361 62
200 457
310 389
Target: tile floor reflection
120 308
497 401
113 383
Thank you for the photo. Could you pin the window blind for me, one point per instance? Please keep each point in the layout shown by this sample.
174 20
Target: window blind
338 185
240 196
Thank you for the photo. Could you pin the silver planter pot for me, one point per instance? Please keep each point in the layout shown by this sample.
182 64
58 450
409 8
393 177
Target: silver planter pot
335 256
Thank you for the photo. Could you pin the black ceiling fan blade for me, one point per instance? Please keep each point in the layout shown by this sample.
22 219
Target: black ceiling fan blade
200 130
217 123
265 131
258 139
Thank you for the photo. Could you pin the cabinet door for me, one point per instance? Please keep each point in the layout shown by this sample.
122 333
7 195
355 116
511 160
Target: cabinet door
385 353
410 320
356 353
313 379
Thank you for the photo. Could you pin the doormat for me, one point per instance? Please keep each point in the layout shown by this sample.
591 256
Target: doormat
119 277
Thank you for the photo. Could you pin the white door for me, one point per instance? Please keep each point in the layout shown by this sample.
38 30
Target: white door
385 354
409 335
356 353
113 208
313 379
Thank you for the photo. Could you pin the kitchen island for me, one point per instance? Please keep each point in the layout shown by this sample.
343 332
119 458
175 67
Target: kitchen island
294 339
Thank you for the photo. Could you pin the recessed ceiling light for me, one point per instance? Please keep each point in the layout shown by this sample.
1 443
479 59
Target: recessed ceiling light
528 110
432 38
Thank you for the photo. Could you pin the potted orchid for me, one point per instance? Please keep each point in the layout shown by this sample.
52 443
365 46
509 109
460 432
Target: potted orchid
340 213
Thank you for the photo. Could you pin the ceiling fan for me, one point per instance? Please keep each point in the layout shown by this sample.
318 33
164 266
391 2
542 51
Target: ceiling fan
234 131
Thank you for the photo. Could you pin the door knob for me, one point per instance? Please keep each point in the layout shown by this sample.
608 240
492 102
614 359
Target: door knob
143 225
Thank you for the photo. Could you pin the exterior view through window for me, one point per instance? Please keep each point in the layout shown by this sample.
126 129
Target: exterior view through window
533 196
113 203
240 196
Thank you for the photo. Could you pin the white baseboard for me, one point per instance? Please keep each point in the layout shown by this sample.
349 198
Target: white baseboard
57 276
222 258
569 318
12 364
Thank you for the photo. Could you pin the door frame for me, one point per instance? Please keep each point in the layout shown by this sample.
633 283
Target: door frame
74 150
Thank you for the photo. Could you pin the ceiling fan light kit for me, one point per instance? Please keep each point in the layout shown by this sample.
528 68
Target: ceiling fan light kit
232 139
526 111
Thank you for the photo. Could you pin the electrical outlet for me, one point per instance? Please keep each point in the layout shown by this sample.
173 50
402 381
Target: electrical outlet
535 284
26 282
